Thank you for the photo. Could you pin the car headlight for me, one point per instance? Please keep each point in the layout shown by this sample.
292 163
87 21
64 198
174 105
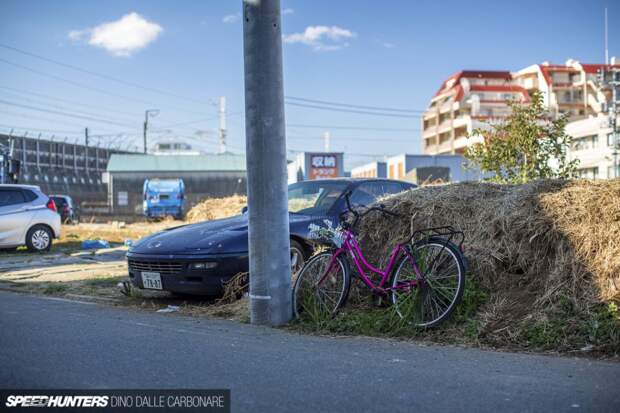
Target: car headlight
202 265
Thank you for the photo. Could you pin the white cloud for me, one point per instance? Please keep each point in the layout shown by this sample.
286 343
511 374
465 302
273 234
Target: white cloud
76 35
231 18
286 11
122 37
322 38
389 45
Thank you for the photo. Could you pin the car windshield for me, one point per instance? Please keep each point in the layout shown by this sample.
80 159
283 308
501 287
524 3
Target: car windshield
314 197
59 201
164 185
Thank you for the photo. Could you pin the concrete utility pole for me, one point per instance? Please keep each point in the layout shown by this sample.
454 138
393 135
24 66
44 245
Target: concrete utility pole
269 244
222 124
147 113
610 77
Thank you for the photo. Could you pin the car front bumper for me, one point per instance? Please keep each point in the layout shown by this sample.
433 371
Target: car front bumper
177 276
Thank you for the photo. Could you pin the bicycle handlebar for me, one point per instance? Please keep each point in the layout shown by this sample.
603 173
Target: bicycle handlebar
358 215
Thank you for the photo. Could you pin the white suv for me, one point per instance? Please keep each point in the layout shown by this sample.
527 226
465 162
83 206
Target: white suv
27 217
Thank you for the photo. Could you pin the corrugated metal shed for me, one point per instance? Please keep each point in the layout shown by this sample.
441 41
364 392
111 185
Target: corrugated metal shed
176 163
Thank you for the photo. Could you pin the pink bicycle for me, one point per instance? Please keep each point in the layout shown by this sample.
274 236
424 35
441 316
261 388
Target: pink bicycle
424 279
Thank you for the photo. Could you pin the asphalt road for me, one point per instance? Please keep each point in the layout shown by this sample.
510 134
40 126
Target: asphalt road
50 343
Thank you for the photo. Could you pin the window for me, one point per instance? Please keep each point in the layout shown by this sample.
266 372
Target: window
584 143
29 195
588 173
369 192
11 197
314 197
610 140
610 172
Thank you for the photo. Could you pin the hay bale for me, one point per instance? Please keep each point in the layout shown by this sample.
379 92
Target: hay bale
216 208
528 245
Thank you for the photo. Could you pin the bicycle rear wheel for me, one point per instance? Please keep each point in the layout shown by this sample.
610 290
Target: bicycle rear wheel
321 287
431 299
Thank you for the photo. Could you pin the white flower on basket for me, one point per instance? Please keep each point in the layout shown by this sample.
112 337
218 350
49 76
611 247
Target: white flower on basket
327 233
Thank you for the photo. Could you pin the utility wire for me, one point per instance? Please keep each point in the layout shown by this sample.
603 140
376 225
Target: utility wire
366 128
362 112
349 105
103 76
72 102
339 138
84 86
56 112
62 107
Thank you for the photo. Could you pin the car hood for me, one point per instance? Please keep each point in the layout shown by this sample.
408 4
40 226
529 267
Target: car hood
223 236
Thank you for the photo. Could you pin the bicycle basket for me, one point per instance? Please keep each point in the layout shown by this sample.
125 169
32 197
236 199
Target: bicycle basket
326 234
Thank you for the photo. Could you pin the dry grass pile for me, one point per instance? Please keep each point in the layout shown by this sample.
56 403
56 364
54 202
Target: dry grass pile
216 208
547 254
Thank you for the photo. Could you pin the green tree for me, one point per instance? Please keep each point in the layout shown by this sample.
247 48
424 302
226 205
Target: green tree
529 144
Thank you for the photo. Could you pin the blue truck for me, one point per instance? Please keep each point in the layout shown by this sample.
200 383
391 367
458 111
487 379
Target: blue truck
163 197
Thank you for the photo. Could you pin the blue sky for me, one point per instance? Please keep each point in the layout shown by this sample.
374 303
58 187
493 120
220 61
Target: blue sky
375 53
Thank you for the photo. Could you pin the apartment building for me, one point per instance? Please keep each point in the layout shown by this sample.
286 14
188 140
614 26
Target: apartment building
593 145
570 88
466 101
471 99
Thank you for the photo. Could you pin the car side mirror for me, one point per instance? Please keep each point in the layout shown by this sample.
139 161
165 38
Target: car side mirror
244 210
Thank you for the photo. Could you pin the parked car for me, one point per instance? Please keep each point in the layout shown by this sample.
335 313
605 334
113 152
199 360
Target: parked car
27 217
198 258
66 209
163 197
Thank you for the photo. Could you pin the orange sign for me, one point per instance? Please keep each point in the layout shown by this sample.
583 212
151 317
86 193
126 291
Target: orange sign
323 166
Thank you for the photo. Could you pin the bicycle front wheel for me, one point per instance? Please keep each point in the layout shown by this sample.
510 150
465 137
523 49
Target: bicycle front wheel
321 287
430 299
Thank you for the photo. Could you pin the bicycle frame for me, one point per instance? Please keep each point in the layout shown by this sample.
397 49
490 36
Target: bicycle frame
351 246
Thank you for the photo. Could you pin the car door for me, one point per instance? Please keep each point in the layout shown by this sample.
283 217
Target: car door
15 216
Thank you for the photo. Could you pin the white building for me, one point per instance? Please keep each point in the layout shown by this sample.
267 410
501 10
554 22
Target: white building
400 165
593 144
370 170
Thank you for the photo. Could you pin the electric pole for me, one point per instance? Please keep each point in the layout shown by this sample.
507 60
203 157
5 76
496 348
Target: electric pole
86 136
269 243
609 77
148 113
222 124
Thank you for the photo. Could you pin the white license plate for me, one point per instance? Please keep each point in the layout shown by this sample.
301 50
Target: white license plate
151 280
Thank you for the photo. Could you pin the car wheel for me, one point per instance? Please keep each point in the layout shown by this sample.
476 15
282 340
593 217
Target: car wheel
39 238
298 257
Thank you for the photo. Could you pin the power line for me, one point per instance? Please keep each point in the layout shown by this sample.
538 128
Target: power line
362 112
56 112
349 105
31 117
366 128
40 130
71 82
102 76
339 138
54 98
84 86
172 125
79 112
